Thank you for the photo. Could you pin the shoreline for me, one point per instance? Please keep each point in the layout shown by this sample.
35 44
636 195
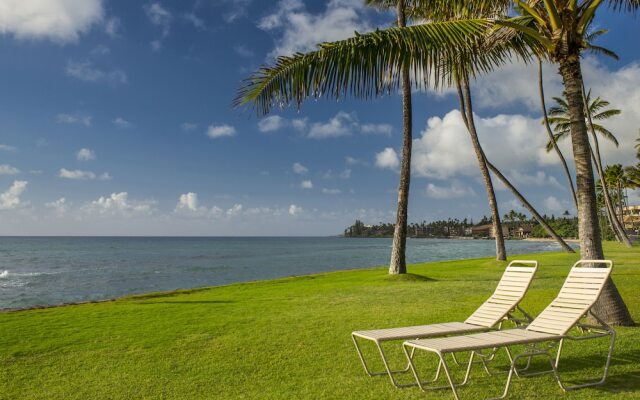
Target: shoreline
199 288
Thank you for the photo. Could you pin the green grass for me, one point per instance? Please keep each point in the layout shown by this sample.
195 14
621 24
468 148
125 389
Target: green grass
288 338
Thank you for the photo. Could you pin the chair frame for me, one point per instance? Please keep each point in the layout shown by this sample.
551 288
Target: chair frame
391 373
538 348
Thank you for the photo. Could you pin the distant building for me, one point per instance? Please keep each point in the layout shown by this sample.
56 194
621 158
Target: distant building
487 230
421 231
522 232
631 217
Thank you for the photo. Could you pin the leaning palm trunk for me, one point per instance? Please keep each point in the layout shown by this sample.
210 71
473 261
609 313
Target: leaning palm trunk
610 306
530 208
618 229
552 139
398 263
466 109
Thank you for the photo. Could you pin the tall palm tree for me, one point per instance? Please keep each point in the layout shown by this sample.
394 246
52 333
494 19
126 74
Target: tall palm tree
369 65
559 117
594 110
616 179
547 124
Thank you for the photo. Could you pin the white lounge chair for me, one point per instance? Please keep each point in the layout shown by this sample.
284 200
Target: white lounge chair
499 307
578 294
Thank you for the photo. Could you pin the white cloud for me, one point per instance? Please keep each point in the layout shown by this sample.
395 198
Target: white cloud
235 210
11 198
6 169
73 119
306 185
299 124
346 174
59 206
454 191
510 141
331 191
189 205
342 124
57 20
85 154
539 178
159 16
553 205
122 123
120 204
85 71
299 30
354 161
82 175
387 158
377 129
6 147
218 131
294 210
272 123
299 169
237 9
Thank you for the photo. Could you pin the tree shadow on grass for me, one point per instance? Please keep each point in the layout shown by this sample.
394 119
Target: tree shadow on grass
186 302
408 278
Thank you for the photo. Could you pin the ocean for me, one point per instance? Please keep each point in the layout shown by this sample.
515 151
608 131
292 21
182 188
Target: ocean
37 271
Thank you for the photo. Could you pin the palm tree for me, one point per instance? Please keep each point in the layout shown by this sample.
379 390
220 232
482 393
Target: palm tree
369 65
615 178
559 117
594 110
547 124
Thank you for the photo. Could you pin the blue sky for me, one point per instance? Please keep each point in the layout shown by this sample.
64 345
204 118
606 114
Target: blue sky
116 119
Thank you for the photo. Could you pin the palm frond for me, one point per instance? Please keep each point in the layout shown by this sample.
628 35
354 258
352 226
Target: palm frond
369 65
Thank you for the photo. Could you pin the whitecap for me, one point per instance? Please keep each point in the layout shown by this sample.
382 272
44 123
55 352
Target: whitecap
4 274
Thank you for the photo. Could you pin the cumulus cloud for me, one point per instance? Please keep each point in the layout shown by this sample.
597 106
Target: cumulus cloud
355 161
74 119
59 206
235 210
299 30
189 205
85 154
342 124
61 21
219 131
83 175
294 210
387 158
306 185
87 72
112 27
6 169
377 129
454 191
510 141
122 123
272 123
553 205
119 204
11 198
299 169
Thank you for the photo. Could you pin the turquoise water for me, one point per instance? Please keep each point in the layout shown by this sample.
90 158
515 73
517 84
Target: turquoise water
54 270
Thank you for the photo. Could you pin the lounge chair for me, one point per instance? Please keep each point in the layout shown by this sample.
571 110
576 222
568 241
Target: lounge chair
499 307
574 302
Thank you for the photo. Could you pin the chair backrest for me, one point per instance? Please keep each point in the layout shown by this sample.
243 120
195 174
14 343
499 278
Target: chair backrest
578 294
511 289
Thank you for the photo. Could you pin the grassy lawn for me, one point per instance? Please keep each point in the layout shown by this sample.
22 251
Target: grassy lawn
289 338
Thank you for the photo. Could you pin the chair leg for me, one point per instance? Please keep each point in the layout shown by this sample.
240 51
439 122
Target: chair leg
388 371
605 374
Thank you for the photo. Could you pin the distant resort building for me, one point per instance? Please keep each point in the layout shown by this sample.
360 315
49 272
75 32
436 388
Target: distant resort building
631 217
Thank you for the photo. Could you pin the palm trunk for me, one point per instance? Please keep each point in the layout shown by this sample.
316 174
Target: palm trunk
552 139
398 263
466 109
618 229
610 305
532 210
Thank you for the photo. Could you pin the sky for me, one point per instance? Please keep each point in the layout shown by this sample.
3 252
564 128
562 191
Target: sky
116 118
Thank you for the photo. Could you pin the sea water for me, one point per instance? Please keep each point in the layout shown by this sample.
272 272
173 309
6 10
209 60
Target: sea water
38 271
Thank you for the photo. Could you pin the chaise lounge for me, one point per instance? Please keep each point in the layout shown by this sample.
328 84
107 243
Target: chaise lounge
550 329
499 307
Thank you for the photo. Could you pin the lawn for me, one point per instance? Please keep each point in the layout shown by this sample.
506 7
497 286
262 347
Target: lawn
289 338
